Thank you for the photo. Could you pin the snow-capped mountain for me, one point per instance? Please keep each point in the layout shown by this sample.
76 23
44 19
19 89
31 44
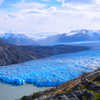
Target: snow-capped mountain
17 39
73 36
80 35
51 38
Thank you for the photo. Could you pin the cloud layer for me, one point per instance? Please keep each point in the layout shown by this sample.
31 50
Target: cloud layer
32 16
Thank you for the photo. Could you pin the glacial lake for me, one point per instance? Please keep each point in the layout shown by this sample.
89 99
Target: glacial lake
9 92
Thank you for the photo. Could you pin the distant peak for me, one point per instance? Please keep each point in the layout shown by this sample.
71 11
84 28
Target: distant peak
82 31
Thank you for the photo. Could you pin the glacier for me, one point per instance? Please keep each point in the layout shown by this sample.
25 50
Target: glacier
51 71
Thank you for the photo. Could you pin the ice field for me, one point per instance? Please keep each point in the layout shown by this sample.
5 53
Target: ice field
51 71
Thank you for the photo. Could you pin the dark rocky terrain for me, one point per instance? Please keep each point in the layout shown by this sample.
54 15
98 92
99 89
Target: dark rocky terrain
85 87
12 54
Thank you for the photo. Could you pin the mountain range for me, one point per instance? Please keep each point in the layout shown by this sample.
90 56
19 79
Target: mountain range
17 39
82 35
73 36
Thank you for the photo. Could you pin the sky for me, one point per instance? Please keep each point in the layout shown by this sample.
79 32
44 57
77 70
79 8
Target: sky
58 16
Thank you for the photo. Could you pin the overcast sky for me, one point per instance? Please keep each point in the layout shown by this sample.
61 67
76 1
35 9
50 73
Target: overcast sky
34 16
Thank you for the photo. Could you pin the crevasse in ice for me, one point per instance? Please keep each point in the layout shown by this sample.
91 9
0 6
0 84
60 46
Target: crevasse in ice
51 71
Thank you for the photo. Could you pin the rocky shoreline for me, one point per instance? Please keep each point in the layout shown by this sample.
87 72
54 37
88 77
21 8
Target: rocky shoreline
85 87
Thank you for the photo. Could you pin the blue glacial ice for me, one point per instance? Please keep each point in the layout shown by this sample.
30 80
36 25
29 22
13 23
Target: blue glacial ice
51 71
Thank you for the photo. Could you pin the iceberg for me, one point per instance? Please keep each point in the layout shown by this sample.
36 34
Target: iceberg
51 71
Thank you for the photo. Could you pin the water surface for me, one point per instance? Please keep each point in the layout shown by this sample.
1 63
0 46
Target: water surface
9 92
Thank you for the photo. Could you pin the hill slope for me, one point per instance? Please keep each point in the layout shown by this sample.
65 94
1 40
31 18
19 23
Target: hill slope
12 54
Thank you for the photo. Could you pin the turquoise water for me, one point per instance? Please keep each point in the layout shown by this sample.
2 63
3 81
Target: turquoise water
51 71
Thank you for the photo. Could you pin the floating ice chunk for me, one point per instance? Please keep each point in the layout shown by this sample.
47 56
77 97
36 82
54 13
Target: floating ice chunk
51 71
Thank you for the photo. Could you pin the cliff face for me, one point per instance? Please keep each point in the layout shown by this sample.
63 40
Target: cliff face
85 87
12 54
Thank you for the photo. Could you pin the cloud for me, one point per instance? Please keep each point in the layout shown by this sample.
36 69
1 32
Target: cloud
34 17
49 20
97 1
30 5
